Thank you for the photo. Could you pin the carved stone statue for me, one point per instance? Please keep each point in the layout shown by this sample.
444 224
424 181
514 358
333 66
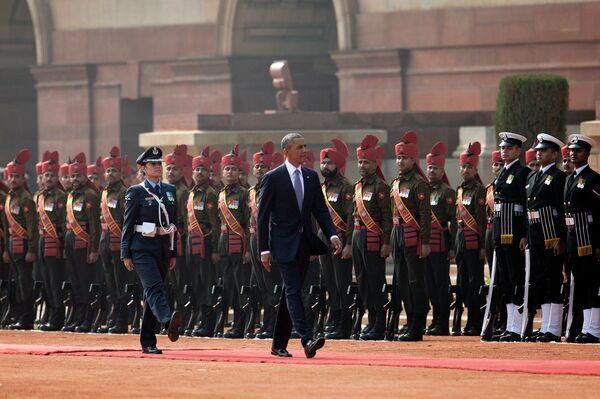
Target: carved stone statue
286 97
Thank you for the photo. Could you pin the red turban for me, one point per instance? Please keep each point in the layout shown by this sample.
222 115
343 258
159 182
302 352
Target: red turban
408 145
265 155
496 157
17 166
565 151
64 169
202 160
437 157
50 162
215 161
178 156
276 160
78 164
114 160
38 166
471 154
529 155
233 158
369 149
338 154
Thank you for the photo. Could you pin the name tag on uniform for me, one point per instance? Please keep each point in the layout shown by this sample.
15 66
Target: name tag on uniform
233 204
112 203
333 197
367 196
434 199
510 179
148 198
78 206
199 206
15 209
170 196
467 200
49 206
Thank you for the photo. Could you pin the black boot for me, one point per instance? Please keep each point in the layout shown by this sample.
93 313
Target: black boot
377 332
370 322
207 324
86 325
416 327
268 323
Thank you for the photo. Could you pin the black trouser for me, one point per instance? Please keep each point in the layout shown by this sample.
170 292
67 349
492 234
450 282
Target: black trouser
55 272
235 275
586 272
24 288
336 276
370 272
180 276
438 282
411 269
511 264
116 278
204 277
470 269
266 282
546 277
312 277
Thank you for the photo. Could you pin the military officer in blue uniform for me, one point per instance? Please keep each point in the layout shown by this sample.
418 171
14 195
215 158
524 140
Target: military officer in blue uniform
148 245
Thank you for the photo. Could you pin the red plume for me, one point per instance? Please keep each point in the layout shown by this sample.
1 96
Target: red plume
276 160
439 148
99 162
79 158
53 156
369 141
236 149
215 157
206 151
22 157
114 152
340 147
410 137
268 147
180 149
46 156
474 148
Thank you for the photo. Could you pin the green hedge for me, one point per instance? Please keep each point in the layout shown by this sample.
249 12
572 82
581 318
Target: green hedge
532 104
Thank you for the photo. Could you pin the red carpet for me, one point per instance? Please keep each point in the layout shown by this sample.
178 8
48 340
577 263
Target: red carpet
564 367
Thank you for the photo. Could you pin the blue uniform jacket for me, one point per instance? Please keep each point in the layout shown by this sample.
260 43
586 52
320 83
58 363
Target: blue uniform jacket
141 207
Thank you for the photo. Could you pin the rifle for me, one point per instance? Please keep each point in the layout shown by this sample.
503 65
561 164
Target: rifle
250 308
489 317
134 305
67 290
356 309
7 288
319 308
98 305
219 307
392 308
40 302
190 308
457 306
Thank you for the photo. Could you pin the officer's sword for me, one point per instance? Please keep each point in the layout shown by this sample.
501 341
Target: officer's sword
488 302
525 318
570 312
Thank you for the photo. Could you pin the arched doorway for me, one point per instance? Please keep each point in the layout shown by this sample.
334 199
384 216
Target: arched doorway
302 31
18 105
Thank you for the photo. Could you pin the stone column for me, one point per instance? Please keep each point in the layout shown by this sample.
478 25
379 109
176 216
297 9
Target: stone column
371 81
198 86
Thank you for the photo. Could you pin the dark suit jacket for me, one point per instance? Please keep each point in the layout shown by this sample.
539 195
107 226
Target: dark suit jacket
140 207
582 194
281 225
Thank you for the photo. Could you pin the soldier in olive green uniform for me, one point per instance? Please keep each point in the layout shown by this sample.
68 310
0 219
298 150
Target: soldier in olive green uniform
410 196
112 207
443 230
21 227
5 271
181 275
336 270
203 240
51 210
266 281
233 243
470 242
82 242
371 235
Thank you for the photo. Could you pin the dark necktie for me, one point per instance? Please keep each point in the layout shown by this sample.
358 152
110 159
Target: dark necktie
298 189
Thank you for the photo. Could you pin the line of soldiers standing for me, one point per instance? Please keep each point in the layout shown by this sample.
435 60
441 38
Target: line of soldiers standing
528 223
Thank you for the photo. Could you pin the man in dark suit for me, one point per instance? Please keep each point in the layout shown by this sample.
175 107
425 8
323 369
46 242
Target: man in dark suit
148 246
289 195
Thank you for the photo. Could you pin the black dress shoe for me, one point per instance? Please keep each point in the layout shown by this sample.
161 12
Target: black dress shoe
84 328
547 337
337 335
312 346
456 333
174 324
102 330
280 352
117 330
202 332
586 338
20 326
70 328
151 350
372 336
265 335
471 333
233 334
437 332
510 337
410 336
135 330
49 327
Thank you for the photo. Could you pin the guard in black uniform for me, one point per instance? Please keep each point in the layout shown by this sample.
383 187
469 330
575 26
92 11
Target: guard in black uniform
582 216
148 245
510 197
546 238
